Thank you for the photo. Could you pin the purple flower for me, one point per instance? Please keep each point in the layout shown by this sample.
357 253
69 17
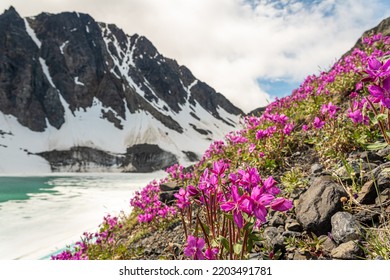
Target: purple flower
182 198
329 109
376 69
219 167
281 204
257 203
305 127
251 148
288 128
261 154
192 191
194 247
270 186
211 253
357 117
234 205
260 134
318 123
381 94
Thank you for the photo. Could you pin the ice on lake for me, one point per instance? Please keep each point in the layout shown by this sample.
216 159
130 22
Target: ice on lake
41 215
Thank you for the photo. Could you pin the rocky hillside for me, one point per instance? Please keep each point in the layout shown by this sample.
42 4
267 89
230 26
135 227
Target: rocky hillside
79 95
308 179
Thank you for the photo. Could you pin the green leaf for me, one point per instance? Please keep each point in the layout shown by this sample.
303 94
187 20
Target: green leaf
225 243
206 229
381 117
372 117
229 217
237 248
249 245
214 243
255 237
248 225
376 146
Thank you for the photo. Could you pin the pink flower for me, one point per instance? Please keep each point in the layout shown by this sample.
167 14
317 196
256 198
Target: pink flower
353 95
381 94
182 198
356 116
192 191
288 128
194 247
270 186
261 154
329 109
260 134
219 167
211 253
251 148
305 127
257 203
377 70
281 204
318 123
234 205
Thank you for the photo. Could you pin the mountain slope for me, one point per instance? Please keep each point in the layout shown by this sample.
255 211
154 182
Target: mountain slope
85 90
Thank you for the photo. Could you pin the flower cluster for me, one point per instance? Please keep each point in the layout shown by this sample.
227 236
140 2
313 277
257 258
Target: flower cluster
147 203
242 194
103 237
106 233
177 172
224 201
195 249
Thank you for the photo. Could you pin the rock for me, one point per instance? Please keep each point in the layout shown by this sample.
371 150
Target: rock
167 197
81 159
277 219
169 186
302 257
368 217
288 233
138 158
383 180
347 251
377 181
344 227
384 152
148 158
254 256
357 169
293 226
366 156
274 238
296 193
316 168
368 193
383 197
318 204
328 245
381 174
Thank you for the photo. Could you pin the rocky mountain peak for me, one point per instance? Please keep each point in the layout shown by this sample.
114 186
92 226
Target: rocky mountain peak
63 74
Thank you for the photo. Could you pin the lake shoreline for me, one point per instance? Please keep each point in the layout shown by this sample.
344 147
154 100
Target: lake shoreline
45 222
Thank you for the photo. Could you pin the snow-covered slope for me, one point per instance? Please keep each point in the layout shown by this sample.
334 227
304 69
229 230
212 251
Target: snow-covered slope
91 98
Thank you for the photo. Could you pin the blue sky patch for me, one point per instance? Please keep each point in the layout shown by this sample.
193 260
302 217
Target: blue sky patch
277 87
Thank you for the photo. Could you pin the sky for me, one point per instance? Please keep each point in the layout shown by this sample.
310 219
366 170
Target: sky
251 51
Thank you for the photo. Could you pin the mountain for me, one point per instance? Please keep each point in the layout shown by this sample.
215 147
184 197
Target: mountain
80 95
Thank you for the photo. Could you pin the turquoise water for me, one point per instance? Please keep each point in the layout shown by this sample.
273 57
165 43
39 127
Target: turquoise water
21 188
40 216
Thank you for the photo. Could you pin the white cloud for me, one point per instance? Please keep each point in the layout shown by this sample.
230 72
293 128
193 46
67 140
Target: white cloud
230 43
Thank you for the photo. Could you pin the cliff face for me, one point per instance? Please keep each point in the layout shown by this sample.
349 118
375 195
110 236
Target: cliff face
61 73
